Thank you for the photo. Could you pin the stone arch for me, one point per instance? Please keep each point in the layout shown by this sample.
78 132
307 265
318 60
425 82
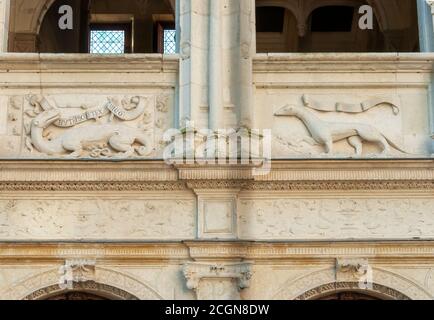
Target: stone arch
111 283
386 284
91 287
377 291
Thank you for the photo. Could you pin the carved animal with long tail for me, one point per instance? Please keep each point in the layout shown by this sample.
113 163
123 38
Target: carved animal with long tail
120 138
327 133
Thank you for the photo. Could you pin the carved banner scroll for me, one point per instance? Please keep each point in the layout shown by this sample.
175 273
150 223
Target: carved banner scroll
351 108
127 112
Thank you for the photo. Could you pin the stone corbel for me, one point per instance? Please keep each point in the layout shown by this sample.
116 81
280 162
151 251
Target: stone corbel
352 270
76 271
218 281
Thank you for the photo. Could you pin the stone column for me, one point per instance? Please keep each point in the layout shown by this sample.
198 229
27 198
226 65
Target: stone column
4 24
216 47
427 44
247 49
214 281
425 18
215 65
193 26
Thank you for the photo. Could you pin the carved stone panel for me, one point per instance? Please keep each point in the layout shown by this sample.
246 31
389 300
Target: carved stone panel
85 126
96 219
345 125
338 219
217 214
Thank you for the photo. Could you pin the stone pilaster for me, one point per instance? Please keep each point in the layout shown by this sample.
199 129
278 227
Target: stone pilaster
4 24
214 281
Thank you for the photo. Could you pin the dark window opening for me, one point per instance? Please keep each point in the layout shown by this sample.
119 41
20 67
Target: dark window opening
332 19
270 19
110 27
165 37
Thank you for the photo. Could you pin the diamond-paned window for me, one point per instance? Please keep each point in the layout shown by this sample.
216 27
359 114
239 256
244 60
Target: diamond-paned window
169 41
107 41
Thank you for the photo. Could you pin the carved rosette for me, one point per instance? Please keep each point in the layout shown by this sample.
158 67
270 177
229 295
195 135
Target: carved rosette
218 281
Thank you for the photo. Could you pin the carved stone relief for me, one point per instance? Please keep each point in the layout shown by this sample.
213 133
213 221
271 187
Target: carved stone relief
348 269
324 219
96 219
314 126
86 126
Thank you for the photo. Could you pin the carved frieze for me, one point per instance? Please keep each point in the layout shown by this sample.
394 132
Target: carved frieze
98 218
346 218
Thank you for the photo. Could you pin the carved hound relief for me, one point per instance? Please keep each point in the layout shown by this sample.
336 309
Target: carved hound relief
327 133
110 139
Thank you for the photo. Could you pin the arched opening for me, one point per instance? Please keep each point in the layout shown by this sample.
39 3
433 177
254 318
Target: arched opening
352 291
336 26
348 296
106 27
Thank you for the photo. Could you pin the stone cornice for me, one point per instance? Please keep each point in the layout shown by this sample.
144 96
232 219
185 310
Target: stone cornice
231 252
343 62
86 171
85 63
350 170
156 175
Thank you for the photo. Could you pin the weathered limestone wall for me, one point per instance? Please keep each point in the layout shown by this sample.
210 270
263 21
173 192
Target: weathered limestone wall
132 226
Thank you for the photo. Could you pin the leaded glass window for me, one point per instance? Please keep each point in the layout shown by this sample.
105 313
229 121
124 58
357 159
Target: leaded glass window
107 41
169 41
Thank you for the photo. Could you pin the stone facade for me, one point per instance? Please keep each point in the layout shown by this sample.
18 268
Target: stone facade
114 219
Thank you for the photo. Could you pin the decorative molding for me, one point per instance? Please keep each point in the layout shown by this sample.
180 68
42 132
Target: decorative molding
345 62
124 286
218 185
89 251
384 251
86 171
331 185
92 186
87 63
305 286
332 288
89 286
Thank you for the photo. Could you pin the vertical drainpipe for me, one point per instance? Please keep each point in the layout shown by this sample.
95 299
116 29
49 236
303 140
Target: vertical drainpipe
426 36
